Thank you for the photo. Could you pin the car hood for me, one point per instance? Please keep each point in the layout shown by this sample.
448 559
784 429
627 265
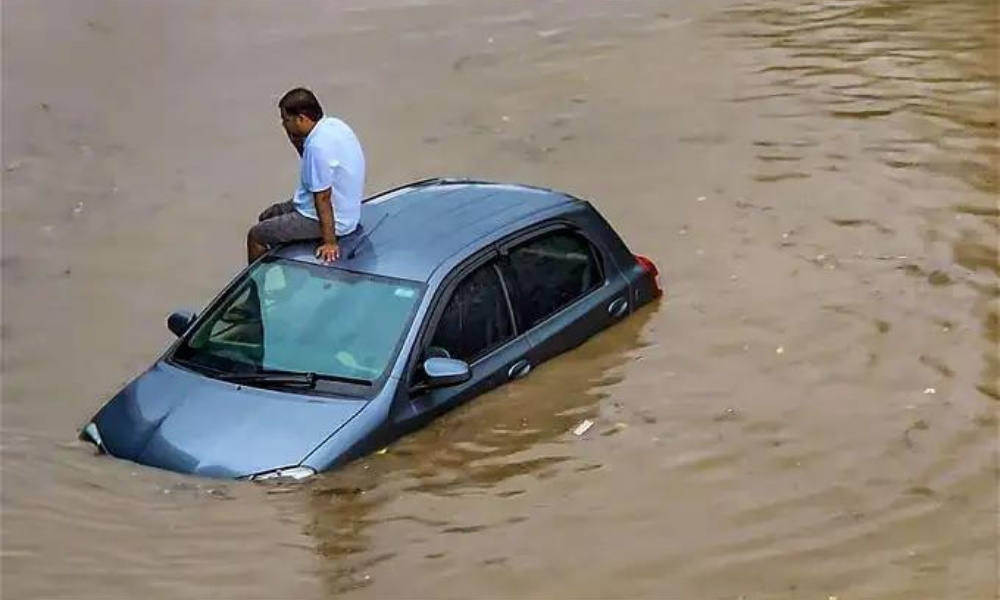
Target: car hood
183 421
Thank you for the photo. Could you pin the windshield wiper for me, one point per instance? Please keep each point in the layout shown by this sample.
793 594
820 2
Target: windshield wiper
196 366
281 377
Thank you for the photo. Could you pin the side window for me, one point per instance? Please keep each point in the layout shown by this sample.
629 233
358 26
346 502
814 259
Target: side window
550 272
476 318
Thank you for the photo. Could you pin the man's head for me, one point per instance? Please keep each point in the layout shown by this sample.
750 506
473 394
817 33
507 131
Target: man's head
300 110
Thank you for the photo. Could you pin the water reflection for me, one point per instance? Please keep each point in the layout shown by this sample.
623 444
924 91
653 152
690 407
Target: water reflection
510 433
494 445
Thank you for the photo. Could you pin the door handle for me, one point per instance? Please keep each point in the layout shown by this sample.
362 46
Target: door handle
618 307
519 369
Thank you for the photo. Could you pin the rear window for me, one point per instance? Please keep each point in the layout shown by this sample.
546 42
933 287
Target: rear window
550 272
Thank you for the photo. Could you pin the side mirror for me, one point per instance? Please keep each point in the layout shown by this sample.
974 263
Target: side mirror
444 372
180 321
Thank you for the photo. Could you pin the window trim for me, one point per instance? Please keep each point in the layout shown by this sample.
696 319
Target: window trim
510 315
544 229
440 301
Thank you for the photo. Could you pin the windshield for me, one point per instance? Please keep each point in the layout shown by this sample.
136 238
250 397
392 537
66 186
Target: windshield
291 316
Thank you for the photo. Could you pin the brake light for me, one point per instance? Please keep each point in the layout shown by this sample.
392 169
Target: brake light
649 267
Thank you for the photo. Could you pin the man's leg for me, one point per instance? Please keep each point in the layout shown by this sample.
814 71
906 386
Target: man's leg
256 247
276 210
284 228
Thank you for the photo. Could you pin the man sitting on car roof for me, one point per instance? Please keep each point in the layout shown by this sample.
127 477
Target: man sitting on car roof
327 201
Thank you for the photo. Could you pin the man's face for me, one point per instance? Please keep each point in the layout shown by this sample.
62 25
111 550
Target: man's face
296 126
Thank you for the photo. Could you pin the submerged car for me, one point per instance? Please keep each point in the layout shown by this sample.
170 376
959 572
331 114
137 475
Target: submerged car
454 288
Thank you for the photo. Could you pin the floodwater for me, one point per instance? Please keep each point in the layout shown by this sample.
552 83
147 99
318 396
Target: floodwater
811 412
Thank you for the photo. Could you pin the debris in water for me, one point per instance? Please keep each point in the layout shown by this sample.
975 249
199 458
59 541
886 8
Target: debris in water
14 165
701 198
220 494
730 414
619 426
583 427
78 208
939 278
382 451
779 350
930 391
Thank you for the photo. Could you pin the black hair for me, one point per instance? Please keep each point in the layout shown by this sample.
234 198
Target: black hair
301 101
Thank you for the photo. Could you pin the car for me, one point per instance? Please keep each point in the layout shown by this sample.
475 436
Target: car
455 287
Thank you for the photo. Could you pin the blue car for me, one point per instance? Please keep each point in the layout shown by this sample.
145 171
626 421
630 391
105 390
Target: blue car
454 288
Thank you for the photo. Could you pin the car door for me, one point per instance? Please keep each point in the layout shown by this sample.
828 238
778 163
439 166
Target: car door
472 321
563 288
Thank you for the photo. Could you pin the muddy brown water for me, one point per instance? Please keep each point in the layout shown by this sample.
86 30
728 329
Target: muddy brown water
812 412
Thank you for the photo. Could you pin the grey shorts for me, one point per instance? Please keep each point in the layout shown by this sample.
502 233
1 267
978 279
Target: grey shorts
281 223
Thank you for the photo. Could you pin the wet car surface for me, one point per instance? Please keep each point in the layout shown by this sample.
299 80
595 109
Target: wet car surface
453 288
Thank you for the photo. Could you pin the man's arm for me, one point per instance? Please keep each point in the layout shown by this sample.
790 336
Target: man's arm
328 251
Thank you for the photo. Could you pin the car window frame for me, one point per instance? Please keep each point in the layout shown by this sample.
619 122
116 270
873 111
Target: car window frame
440 301
598 254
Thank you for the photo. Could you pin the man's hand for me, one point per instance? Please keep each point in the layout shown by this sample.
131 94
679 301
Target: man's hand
328 252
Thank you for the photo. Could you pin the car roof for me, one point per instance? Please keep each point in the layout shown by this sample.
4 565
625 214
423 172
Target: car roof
408 232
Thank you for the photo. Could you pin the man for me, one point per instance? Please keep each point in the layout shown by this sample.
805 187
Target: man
327 202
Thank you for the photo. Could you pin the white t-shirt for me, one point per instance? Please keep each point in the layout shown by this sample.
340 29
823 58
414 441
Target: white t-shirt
332 158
